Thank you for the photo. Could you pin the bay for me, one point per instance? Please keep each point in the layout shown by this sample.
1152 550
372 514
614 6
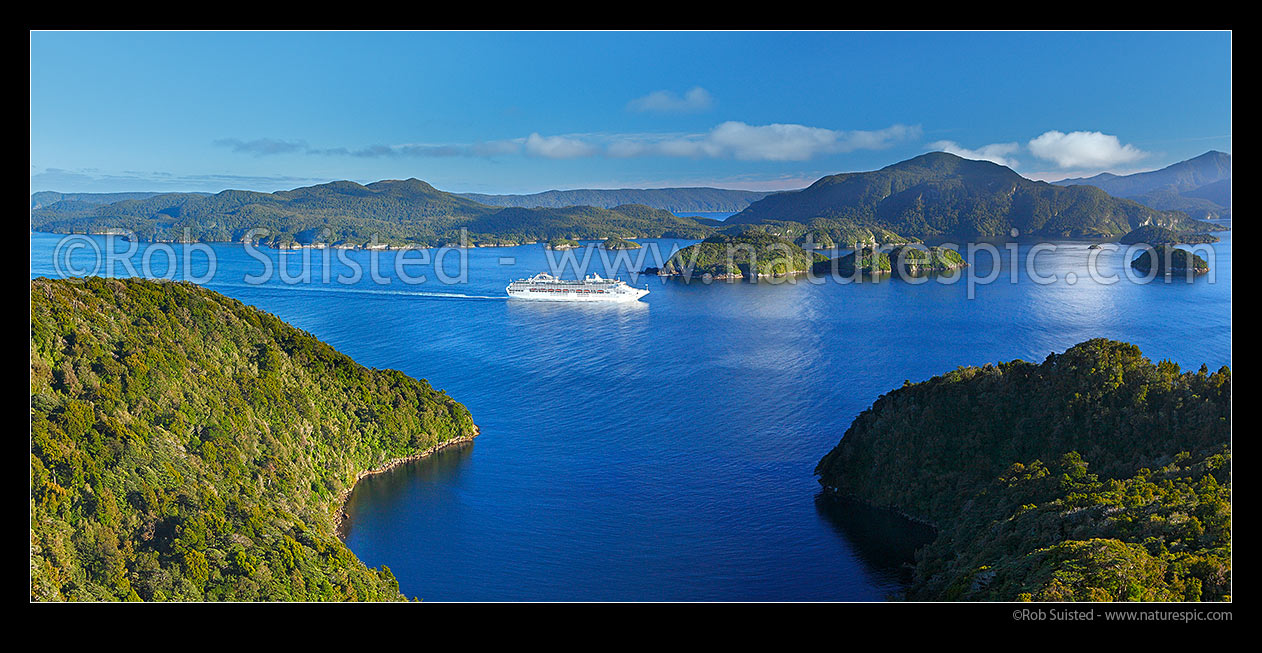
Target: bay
664 450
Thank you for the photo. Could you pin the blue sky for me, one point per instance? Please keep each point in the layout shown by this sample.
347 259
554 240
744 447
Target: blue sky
526 112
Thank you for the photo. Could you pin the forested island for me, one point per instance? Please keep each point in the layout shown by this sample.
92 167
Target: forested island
615 242
1170 260
915 261
1095 475
751 254
185 447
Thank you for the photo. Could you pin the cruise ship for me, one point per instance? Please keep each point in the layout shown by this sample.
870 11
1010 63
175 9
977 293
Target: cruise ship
545 287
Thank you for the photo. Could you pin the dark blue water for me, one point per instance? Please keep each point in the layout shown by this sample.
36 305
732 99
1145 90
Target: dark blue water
664 450
713 215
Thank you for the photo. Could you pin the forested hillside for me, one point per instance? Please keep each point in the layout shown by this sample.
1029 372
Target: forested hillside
940 194
185 446
1095 475
343 212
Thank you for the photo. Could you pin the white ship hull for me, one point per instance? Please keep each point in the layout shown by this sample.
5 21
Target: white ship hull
546 288
629 296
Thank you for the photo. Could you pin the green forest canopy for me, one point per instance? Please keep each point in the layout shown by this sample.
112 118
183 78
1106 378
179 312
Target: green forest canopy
1096 475
940 194
185 446
391 212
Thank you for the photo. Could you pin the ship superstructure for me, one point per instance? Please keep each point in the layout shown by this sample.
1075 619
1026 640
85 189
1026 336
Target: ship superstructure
593 288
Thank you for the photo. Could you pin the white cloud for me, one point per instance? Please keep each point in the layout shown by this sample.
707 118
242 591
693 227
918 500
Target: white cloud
558 147
695 100
262 146
774 142
729 140
1083 149
494 148
995 152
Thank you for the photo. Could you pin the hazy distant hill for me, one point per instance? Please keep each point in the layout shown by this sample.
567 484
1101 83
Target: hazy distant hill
677 200
408 211
47 197
940 194
1200 186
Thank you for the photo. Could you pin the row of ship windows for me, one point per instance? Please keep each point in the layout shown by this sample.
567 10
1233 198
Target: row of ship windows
566 290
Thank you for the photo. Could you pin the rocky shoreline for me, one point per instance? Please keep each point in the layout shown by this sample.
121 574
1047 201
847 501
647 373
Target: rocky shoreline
339 515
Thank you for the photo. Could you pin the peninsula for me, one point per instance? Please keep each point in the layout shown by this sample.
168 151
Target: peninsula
187 447
1095 475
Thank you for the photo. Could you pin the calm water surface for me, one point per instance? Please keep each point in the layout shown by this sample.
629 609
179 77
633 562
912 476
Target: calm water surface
664 450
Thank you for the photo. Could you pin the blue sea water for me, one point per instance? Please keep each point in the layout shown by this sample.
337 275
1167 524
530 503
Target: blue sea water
664 450
713 215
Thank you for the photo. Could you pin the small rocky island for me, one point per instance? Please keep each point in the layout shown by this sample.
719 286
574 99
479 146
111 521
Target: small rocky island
618 242
563 243
915 261
1170 260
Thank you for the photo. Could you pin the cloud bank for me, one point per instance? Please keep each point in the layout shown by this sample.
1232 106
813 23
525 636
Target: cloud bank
1080 150
729 140
695 100
774 142
262 146
557 147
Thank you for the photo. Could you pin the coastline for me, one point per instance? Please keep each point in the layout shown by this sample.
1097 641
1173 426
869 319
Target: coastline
835 494
340 519
322 246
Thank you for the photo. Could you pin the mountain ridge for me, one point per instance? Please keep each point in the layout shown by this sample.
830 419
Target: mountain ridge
940 194
392 211
1200 186
696 199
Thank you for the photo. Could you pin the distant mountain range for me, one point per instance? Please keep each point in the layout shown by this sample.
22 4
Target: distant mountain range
344 212
940 194
675 200
1200 187
932 195
48 197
